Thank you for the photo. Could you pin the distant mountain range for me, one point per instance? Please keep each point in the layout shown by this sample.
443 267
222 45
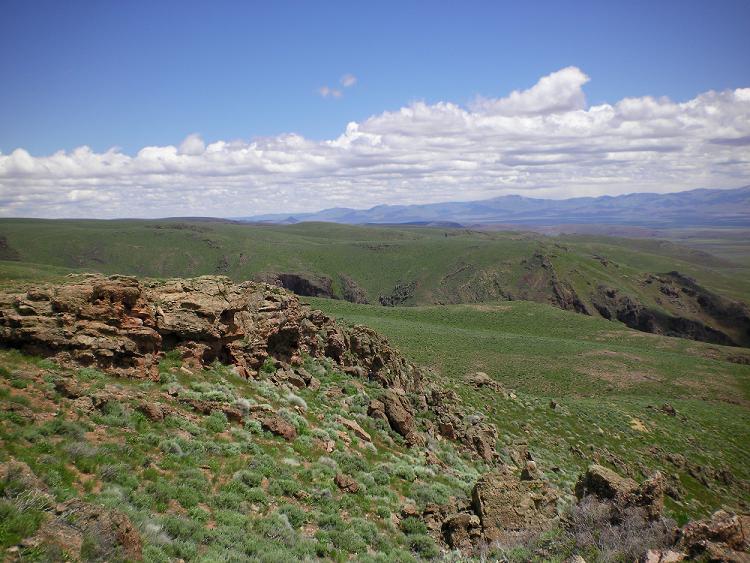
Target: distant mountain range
702 207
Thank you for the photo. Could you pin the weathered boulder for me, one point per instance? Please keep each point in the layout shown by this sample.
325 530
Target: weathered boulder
376 410
355 427
462 530
399 414
275 424
605 484
509 508
346 483
723 537
109 534
152 411
623 492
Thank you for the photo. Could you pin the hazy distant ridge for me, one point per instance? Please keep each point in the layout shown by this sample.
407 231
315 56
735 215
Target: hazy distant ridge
702 207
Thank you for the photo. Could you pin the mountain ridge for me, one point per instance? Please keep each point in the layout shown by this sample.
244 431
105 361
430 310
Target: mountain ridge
699 207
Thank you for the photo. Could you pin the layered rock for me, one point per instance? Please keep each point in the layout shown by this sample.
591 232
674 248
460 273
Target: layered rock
509 507
723 537
119 324
125 326
622 492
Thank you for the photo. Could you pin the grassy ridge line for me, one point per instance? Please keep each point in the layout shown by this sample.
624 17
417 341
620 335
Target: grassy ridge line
377 258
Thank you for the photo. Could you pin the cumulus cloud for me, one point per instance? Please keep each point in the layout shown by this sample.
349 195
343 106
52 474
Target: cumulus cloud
558 92
348 80
543 142
192 145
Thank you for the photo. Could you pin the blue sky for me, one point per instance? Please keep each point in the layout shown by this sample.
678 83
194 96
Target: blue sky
167 108
132 74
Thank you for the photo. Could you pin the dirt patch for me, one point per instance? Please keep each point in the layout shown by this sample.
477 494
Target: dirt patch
612 354
620 376
491 308
717 386
637 425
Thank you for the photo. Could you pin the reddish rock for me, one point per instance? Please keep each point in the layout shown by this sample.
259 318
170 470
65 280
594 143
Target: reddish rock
277 425
398 412
110 535
356 428
723 537
346 483
462 530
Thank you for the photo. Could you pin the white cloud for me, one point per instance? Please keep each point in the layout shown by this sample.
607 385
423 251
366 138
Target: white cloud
192 145
327 92
348 80
543 142
556 92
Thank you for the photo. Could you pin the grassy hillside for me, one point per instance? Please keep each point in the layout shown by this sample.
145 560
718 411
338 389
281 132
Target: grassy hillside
608 381
408 266
572 388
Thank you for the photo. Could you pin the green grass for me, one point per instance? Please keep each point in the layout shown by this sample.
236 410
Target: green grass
264 498
448 265
603 376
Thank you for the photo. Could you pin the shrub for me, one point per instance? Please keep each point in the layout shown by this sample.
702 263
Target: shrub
216 422
412 525
171 447
265 465
254 427
294 514
296 400
436 493
275 527
283 487
381 477
424 545
348 540
404 471
17 524
624 535
243 405
249 478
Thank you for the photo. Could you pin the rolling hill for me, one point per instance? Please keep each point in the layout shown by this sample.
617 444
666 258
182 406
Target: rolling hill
655 286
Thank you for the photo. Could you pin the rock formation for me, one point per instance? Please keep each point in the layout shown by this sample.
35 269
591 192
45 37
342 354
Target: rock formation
125 326
623 492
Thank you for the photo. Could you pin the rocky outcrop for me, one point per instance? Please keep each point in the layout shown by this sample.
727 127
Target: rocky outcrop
121 325
723 537
351 291
106 535
622 492
402 292
125 326
471 431
462 530
542 283
612 304
306 285
509 507
504 508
